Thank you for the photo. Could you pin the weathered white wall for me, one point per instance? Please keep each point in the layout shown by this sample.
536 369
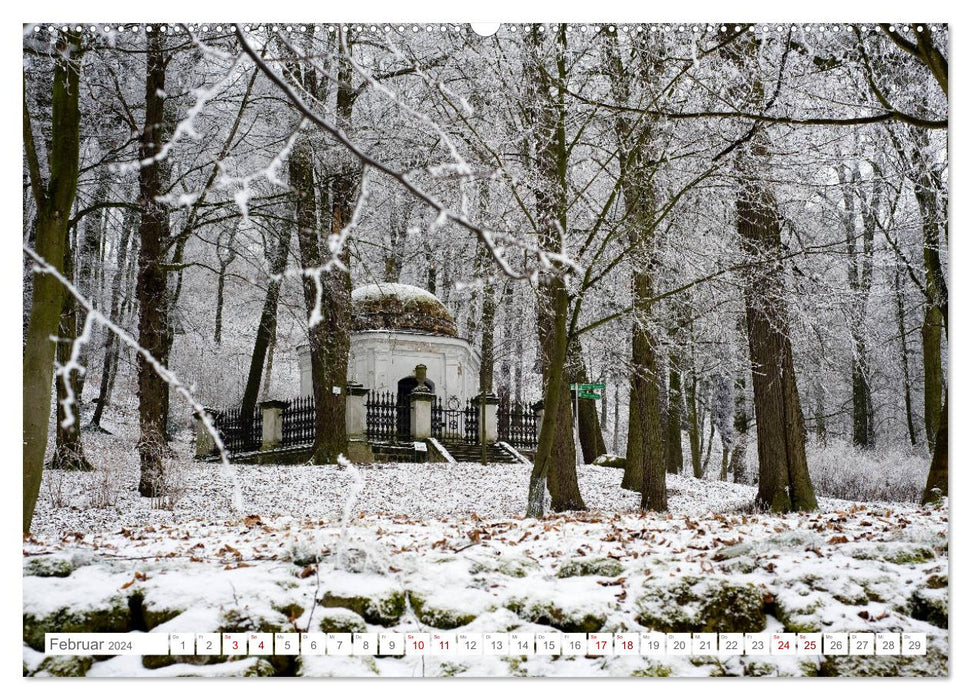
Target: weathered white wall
379 359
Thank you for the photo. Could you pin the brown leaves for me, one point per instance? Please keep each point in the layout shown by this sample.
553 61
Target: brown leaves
252 521
308 571
838 539
229 550
139 576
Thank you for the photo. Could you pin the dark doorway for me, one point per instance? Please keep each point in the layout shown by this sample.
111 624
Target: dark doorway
404 405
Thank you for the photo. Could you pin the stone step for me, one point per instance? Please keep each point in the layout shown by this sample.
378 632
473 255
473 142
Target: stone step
464 452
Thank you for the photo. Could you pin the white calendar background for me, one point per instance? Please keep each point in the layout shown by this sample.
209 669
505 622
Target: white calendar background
493 644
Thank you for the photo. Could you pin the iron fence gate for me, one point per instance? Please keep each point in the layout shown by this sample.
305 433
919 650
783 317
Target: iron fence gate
388 418
455 423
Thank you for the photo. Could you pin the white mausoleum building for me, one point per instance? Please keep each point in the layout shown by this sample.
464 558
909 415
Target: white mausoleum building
395 327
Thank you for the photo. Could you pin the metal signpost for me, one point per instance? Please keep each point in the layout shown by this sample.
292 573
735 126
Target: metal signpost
582 391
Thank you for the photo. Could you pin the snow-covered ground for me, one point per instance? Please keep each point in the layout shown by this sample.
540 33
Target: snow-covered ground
445 547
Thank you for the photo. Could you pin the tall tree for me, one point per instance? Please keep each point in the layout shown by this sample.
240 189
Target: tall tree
54 197
555 463
152 285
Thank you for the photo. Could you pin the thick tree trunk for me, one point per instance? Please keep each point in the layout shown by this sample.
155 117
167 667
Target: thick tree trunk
784 483
68 445
930 334
152 286
937 477
555 461
544 475
646 391
54 203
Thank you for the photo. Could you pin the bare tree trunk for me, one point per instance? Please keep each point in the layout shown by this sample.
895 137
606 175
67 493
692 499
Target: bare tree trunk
904 354
673 449
694 426
266 330
615 438
708 444
784 483
151 289
68 445
633 478
591 438
937 477
555 463
54 199
741 425
487 354
859 276
125 266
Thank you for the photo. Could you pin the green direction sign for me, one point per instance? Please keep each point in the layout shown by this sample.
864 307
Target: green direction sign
588 387
589 395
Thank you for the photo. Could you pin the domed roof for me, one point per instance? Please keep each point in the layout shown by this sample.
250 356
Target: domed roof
402 307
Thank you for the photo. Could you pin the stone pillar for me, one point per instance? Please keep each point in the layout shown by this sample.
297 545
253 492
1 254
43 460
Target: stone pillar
489 430
421 406
538 410
355 412
272 423
205 445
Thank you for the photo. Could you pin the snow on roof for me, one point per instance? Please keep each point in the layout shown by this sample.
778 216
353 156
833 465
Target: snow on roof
405 292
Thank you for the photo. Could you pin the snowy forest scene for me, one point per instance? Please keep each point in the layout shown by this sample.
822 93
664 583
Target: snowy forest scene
458 332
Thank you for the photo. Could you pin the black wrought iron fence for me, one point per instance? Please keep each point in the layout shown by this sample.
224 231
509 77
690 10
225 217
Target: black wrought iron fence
387 418
299 418
239 435
453 422
517 424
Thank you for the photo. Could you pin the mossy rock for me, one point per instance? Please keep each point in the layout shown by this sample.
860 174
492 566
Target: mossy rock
652 670
930 606
112 616
612 461
384 609
799 613
449 669
148 614
591 566
690 604
899 553
548 613
437 616
760 669
46 567
66 666
935 581
154 661
851 592
291 611
669 607
261 668
514 567
338 621
932 665
234 620
731 607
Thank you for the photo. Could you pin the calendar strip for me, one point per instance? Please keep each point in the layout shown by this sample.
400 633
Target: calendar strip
491 644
